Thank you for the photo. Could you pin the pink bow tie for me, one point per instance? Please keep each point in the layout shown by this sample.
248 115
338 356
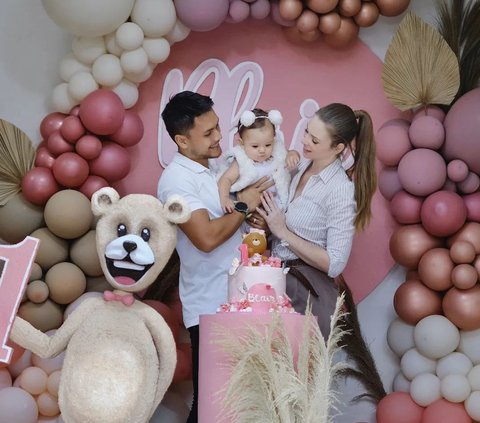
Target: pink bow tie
127 299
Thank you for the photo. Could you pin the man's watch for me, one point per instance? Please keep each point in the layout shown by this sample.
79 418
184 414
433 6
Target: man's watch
242 207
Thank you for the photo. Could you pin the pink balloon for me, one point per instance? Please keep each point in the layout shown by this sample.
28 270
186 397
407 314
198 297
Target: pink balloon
113 163
89 147
57 145
443 213
70 170
399 407
427 132
449 186
238 11
277 17
72 129
17 406
392 142
38 185
75 111
470 184
443 411
50 123
389 182
472 202
131 131
203 18
102 112
92 184
405 208
43 158
260 9
422 171
433 111
457 170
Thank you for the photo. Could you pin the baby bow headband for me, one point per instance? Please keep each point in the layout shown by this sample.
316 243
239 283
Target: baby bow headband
248 117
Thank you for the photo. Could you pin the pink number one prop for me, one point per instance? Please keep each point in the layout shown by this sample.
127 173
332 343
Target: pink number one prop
18 260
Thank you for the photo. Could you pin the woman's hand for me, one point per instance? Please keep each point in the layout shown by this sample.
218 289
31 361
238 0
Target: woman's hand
257 221
273 215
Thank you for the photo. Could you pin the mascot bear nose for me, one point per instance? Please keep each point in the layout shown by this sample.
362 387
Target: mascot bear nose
129 246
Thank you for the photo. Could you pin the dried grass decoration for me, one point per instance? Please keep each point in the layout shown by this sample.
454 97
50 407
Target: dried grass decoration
267 386
17 156
420 68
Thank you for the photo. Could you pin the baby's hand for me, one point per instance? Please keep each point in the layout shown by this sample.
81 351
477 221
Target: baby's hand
292 159
228 205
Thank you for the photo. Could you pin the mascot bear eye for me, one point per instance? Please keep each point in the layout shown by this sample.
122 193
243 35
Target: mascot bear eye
121 230
145 234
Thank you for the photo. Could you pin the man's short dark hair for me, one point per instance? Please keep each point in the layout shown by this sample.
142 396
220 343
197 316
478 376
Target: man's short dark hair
180 112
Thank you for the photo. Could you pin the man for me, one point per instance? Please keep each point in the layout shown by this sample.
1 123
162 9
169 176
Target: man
209 241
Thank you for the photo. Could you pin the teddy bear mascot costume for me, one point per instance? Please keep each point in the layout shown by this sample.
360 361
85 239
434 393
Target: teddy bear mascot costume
120 354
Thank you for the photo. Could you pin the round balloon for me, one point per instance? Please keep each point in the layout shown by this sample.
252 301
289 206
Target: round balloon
443 411
112 164
18 406
202 18
405 208
102 112
398 407
70 170
38 185
461 307
436 336
435 269
131 130
389 182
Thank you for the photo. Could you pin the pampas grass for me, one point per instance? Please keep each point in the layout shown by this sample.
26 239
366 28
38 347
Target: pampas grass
266 384
420 68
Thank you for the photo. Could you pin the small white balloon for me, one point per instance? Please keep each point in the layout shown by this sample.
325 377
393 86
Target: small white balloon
88 49
435 336
81 84
413 363
134 61
400 337
107 70
142 76
401 383
178 33
425 389
474 378
128 93
111 44
472 405
69 66
62 101
155 17
470 345
157 49
454 363
455 388
129 36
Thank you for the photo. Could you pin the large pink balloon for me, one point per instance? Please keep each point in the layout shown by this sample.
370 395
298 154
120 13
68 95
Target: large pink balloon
392 141
50 123
102 112
113 163
389 182
443 213
422 171
443 411
43 158
405 208
204 17
38 185
70 170
131 131
462 126
92 183
398 407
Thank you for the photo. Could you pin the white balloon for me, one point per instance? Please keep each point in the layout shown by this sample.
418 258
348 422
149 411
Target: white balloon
178 33
401 383
156 17
157 49
142 76
129 36
81 84
413 363
134 61
454 363
400 337
62 101
69 66
470 344
111 44
472 405
88 49
474 378
107 70
128 93
425 389
435 336
455 388
89 17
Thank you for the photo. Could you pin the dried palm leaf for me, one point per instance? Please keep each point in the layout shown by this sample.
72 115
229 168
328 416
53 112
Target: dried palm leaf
266 385
17 156
459 23
420 68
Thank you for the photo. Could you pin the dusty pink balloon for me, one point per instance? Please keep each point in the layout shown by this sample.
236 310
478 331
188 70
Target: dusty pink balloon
433 111
57 144
43 158
389 182
70 170
238 11
202 18
38 185
260 9
89 147
405 208
392 142
72 129
50 123
92 184
113 163
457 170
470 184
102 112
131 131
472 201
427 132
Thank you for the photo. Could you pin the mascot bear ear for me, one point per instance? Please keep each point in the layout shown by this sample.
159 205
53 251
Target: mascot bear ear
176 209
103 199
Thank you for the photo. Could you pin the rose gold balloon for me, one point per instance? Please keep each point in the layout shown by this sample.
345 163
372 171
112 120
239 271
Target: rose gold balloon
413 301
322 6
290 9
435 269
329 23
462 252
409 243
367 16
346 34
464 276
392 7
469 232
349 8
462 307
308 21
310 35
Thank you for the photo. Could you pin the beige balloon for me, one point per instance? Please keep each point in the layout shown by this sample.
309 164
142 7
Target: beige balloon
66 282
36 272
52 249
37 291
44 317
83 253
